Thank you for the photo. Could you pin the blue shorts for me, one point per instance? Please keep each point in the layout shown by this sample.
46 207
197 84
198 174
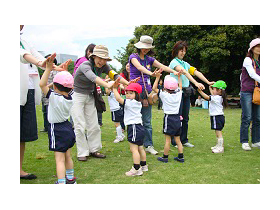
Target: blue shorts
117 116
172 124
136 134
217 122
61 136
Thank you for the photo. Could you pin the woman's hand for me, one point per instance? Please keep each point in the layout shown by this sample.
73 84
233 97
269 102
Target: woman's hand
199 86
211 83
63 66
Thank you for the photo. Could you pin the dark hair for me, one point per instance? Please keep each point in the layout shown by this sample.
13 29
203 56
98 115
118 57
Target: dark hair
126 74
89 48
54 61
224 96
177 47
137 97
62 88
150 53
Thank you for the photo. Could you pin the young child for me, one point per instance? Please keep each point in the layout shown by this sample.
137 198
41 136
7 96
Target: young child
60 132
135 130
171 99
217 101
116 112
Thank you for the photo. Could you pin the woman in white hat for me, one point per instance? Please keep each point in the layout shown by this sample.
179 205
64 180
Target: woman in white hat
142 62
250 112
84 111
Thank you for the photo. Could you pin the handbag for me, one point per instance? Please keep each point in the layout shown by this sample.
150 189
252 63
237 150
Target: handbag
99 102
144 101
257 92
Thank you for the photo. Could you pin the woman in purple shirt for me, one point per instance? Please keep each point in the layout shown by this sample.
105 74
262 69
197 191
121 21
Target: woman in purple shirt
250 112
143 62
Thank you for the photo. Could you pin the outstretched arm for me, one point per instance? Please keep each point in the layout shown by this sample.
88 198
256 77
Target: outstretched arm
116 93
204 95
155 86
44 80
202 77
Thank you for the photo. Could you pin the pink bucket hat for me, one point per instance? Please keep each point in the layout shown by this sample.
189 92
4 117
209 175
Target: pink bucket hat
64 78
254 43
170 83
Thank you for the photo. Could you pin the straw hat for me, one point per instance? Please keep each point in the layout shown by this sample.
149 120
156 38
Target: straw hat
145 43
101 51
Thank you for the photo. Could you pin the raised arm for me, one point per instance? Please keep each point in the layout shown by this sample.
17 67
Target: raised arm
155 86
44 80
204 95
211 90
116 93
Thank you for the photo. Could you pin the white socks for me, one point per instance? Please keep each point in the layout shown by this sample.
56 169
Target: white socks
119 131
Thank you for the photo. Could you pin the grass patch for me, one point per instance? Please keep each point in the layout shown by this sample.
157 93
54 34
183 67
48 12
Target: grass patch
235 166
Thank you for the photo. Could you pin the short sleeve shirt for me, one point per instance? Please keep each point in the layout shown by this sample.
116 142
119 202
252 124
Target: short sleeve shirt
132 112
171 101
113 103
134 72
175 62
216 105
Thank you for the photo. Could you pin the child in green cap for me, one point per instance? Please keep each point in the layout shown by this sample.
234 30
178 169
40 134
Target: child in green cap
217 101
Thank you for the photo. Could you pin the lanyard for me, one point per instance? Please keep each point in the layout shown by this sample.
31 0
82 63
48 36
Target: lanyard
257 63
145 61
22 45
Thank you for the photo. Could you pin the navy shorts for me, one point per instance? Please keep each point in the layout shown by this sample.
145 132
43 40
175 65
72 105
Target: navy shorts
136 134
117 116
172 124
61 136
217 122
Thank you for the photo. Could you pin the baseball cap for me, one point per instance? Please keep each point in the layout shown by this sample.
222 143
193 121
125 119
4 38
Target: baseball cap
220 84
64 78
170 83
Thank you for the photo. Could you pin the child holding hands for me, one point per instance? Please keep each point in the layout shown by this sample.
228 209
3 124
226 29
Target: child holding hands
171 98
60 132
116 112
135 130
217 101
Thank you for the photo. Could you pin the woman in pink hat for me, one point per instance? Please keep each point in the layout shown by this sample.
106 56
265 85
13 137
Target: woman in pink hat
250 111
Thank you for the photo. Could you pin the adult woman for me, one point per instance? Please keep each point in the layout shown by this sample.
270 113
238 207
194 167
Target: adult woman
84 111
30 95
126 75
141 62
178 52
250 111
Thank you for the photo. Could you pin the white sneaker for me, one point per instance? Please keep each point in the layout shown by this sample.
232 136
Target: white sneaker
118 139
144 168
218 150
256 145
134 172
214 147
151 150
246 147
188 144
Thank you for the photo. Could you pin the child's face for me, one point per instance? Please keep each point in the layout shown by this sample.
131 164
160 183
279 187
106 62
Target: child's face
130 94
217 91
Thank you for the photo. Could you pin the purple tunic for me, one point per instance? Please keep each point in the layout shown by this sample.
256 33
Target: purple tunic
247 83
134 72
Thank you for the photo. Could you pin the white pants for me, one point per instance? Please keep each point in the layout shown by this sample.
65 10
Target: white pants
84 115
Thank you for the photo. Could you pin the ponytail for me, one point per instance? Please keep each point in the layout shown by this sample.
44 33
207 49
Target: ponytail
224 96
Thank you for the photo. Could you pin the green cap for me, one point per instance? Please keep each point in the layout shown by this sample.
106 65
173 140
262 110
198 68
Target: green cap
220 84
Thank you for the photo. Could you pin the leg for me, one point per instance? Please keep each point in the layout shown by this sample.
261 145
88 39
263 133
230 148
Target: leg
246 105
78 116
255 123
22 150
135 153
167 144
179 144
147 123
60 165
68 160
142 153
185 122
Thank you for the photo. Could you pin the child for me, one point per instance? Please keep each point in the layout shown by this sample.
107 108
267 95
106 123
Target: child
60 132
133 121
116 112
171 99
217 101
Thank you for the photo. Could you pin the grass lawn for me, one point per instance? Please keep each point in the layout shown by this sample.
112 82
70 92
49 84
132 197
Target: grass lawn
201 166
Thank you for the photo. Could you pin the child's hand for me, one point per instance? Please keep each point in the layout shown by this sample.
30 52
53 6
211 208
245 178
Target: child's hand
211 83
63 66
200 86
158 72
49 61
115 84
180 72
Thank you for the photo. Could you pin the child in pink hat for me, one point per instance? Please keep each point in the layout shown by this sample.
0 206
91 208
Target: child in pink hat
60 132
171 98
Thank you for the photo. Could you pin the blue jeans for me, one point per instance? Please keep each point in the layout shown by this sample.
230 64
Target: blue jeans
184 112
147 123
250 112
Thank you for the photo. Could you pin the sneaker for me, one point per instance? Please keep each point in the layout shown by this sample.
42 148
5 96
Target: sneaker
71 181
134 172
118 139
165 160
188 144
144 168
151 150
246 147
256 145
181 160
218 150
214 147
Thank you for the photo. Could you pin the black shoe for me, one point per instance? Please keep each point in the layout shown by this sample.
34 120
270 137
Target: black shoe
71 181
28 176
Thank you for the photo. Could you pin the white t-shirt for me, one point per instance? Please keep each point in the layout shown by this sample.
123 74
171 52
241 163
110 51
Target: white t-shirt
198 102
170 102
113 103
59 107
132 112
216 105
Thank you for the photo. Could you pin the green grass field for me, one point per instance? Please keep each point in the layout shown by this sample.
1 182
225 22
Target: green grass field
201 166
